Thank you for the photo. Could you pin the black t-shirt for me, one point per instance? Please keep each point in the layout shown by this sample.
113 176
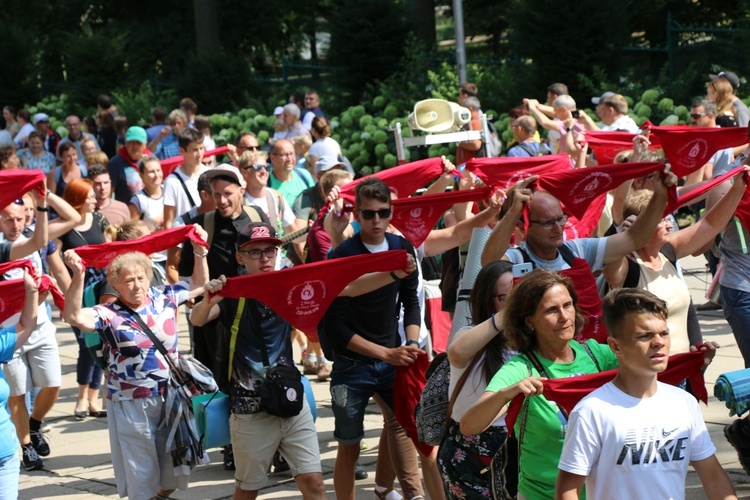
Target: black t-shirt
257 320
5 251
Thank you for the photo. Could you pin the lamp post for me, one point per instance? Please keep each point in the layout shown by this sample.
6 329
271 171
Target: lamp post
458 26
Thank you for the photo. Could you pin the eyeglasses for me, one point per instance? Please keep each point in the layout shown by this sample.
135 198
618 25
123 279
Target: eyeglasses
257 168
257 253
251 148
383 213
284 155
549 224
695 116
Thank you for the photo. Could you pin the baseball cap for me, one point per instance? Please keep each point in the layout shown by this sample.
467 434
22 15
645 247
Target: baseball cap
226 171
732 78
40 117
326 163
257 232
597 100
136 134
278 110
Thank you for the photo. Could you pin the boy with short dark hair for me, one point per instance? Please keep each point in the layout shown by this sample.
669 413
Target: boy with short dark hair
181 186
635 436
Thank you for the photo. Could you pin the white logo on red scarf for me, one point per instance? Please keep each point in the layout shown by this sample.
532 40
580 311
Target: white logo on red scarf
110 256
412 222
308 297
693 152
516 178
590 187
2 305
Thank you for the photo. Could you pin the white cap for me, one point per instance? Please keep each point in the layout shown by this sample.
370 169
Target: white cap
278 110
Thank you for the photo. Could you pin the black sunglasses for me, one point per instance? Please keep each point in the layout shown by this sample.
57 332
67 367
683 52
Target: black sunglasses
383 213
251 148
257 168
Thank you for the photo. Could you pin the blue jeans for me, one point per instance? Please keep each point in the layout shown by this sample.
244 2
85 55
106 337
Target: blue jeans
10 469
87 373
736 307
352 385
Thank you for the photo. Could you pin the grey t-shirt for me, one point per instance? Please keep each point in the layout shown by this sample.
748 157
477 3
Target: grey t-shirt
591 250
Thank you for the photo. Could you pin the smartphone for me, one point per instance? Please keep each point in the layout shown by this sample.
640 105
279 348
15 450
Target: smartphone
576 114
519 270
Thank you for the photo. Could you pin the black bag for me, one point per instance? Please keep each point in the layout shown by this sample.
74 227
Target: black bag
281 393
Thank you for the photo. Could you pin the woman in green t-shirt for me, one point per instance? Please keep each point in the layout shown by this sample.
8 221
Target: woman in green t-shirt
541 321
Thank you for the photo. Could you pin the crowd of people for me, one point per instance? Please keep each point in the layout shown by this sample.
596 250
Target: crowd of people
545 305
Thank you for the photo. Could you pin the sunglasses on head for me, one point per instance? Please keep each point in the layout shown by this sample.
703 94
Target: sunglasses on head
383 213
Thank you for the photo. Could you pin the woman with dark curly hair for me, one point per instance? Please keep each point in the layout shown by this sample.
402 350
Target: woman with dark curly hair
541 320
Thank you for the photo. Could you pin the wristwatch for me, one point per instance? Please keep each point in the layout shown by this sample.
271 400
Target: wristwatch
412 342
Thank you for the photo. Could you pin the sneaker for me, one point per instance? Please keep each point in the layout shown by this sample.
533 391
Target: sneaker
228 458
31 460
324 371
310 367
360 473
740 441
39 442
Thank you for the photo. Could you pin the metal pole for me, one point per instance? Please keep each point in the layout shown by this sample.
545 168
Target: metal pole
458 26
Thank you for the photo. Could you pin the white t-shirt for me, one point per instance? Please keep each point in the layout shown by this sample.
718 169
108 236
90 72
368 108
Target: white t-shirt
325 147
623 123
635 448
174 193
23 134
262 202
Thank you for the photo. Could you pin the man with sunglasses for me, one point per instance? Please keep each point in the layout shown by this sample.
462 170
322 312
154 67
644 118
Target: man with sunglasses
245 141
361 335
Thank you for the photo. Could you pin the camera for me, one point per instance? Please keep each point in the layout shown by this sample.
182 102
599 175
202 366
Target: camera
576 114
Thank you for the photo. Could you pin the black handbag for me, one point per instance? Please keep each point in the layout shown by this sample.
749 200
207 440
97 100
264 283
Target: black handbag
281 393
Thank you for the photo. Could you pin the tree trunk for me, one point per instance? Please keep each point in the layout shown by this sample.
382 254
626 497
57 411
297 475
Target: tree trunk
206 27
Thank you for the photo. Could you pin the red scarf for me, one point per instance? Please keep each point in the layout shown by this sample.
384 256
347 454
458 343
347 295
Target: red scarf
101 255
15 183
125 156
310 289
688 149
567 392
607 144
13 295
707 186
170 164
743 210
507 171
407 389
403 180
15 264
415 217
577 189
584 228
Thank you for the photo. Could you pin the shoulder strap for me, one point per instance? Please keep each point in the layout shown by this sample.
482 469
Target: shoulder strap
526 258
394 241
301 172
523 146
273 213
459 386
538 365
233 338
567 254
634 274
184 186
254 214
591 355
209 223
669 252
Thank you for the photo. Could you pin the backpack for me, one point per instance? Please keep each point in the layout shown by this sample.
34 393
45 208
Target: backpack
433 410
209 220
492 145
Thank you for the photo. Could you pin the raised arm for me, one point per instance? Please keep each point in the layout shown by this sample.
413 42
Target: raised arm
39 239
372 281
621 244
466 344
27 322
74 314
69 216
697 236
499 240
445 180
208 309
200 265
545 122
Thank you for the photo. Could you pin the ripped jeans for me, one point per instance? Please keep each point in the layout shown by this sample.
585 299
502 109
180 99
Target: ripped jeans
353 383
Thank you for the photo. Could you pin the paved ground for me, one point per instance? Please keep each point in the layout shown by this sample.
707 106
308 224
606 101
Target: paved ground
80 467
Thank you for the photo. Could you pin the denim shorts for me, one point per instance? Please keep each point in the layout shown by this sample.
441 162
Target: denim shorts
353 383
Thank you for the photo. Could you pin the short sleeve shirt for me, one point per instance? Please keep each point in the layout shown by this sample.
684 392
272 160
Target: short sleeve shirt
293 187
592 250
136 368
174 193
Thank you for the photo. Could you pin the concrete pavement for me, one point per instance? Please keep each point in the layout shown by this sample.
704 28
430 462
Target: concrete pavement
79 466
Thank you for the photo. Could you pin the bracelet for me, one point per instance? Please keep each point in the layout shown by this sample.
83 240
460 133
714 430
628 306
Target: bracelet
492 318
412 342
42 209
201 255
396 278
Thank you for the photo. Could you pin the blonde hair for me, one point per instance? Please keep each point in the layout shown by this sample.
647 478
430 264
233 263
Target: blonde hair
724 96
129 260
97 157
128 230
252 158
636 202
